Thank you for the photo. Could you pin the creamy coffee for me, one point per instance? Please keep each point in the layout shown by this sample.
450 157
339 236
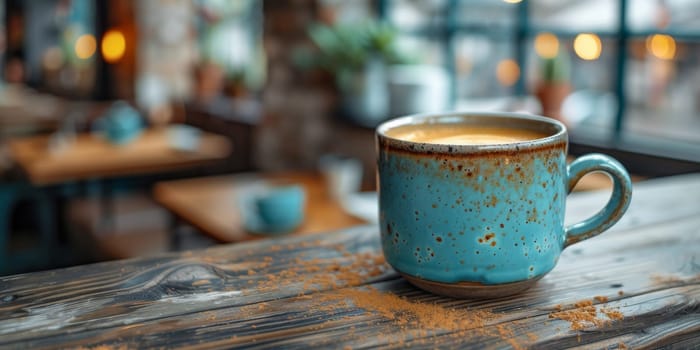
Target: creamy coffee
460 134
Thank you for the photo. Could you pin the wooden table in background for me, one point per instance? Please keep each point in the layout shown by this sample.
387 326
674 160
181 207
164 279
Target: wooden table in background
328 291
24 110
92 157
209 204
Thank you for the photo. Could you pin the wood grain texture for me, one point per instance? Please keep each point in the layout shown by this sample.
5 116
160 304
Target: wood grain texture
93 157
245 295
210 204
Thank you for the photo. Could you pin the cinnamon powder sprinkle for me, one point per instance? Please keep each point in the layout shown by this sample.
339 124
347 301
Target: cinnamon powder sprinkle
322 274
660 280
422 322
601 299
403 312
613 314
335 276
585 315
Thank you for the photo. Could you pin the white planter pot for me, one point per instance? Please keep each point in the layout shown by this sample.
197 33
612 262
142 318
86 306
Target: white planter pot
365 95
418 89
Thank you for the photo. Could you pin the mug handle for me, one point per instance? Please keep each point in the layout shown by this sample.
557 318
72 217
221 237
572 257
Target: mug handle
617 204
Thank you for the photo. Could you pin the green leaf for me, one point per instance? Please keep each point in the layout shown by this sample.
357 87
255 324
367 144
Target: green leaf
349 46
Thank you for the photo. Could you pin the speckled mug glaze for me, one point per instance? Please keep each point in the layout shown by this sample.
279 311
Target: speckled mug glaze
484 220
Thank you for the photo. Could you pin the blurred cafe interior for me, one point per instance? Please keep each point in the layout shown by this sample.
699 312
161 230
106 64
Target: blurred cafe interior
131 128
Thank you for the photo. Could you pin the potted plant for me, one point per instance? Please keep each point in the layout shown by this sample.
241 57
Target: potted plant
554 85
358 56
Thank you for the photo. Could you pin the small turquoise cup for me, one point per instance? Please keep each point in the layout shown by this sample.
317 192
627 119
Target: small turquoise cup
480 221
273 209
121 124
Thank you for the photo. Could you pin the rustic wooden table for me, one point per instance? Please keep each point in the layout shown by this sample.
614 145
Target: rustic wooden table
637 286
92 157
24 110
210 204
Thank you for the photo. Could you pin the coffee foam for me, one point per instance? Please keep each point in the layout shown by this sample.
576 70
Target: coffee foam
458 134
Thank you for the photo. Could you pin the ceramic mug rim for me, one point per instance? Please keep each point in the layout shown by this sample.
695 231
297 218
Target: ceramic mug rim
553 138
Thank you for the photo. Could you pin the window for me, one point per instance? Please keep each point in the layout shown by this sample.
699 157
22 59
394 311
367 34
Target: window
230 36
634 72
56 42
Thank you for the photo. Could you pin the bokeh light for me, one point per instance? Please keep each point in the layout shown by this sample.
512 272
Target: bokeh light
507 72
661 46
113 46
85 46
546 45
588 46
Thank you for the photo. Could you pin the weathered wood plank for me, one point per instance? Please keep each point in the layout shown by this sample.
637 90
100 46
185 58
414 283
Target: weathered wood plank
294 323
589 283
653 201
217 267
246 295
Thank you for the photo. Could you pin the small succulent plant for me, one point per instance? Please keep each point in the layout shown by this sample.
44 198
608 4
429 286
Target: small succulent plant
556 69
351 45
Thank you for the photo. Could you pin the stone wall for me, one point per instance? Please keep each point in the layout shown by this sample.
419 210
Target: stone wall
300 123
297 103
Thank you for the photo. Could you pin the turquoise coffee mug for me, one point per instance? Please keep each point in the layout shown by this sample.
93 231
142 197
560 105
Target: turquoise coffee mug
121 124
272 209
282 208
484 220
